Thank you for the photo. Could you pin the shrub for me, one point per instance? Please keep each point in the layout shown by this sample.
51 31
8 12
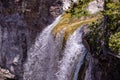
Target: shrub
114 42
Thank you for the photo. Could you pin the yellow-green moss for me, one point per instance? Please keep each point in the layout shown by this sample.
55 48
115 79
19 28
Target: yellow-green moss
113 14
114 42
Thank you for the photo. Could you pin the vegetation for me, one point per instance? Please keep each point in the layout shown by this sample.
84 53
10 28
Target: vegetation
113 15
78 10
105 32
101 28
115 42
113 23
75 17
94 37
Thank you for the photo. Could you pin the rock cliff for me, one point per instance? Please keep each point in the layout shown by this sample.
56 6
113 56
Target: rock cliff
22 21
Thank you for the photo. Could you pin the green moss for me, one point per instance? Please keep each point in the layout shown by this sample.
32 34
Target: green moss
114 42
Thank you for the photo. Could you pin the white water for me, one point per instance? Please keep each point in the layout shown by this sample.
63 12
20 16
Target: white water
41 56
47 61
74 52
80 63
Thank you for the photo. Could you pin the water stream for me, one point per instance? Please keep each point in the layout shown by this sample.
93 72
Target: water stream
41 56
74 54
44 60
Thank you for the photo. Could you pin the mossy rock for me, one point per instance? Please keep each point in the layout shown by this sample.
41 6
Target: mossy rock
75 17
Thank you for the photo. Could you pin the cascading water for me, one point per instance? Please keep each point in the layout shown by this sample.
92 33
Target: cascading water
80 63
41 56
44 60
50 58
74 53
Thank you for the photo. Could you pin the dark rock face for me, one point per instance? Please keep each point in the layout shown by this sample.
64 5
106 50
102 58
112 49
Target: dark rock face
37 13
20 22
15 39
105 68
56 8
12 37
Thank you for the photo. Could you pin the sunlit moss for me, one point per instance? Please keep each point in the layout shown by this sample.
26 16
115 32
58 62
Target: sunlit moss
113 21
114 42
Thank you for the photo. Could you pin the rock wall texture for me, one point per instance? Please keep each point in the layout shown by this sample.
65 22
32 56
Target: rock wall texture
20 22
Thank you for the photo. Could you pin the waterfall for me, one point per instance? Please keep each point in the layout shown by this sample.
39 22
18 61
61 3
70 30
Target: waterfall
80 63
47 60
74 53
41 56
